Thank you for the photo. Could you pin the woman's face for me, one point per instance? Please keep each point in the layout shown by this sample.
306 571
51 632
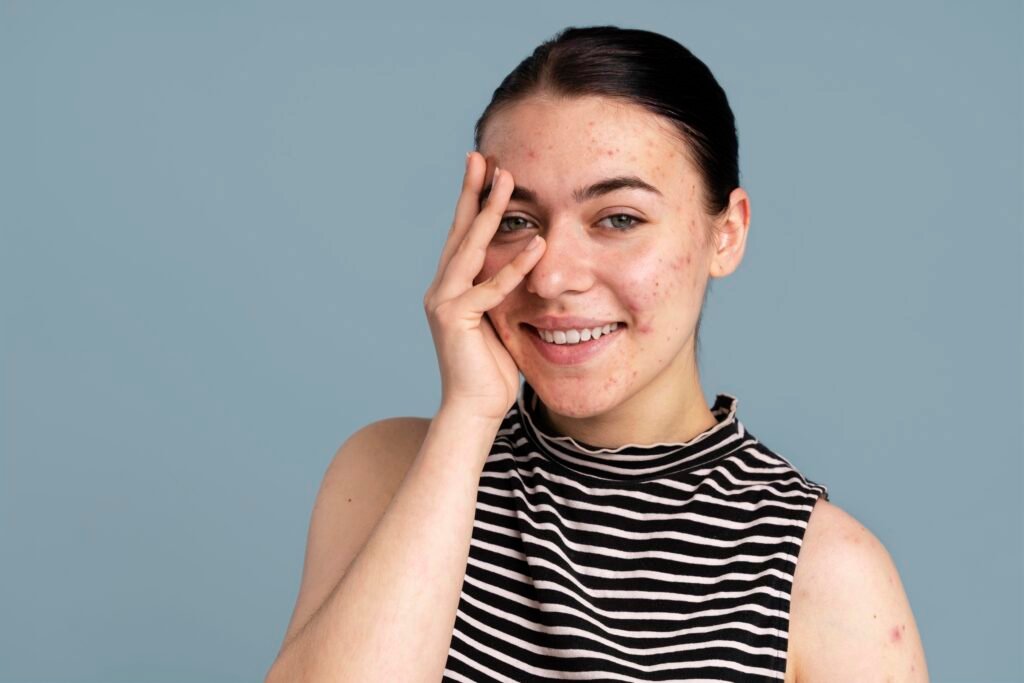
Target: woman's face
634 253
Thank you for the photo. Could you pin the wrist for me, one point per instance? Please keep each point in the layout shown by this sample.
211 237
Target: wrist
452 412
457 431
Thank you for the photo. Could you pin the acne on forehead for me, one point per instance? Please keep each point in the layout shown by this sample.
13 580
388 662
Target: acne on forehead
603 120
555 138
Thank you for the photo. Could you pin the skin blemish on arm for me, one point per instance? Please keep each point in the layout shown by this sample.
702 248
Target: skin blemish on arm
896 634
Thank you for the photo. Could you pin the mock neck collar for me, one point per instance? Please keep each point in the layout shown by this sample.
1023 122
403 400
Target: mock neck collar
633 461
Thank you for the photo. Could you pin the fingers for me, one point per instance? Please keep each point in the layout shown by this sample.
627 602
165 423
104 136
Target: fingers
466 209
492 291
469 201
467 260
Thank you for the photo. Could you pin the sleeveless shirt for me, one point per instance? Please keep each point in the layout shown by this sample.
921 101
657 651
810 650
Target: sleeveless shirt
658 562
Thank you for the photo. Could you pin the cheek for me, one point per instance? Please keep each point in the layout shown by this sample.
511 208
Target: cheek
656 283
494 261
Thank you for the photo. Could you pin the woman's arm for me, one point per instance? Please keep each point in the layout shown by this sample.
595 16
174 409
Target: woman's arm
390 614
849 616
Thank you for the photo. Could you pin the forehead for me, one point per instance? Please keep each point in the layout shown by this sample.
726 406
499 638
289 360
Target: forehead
554 144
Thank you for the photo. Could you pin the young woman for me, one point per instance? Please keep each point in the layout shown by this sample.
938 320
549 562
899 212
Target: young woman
599 521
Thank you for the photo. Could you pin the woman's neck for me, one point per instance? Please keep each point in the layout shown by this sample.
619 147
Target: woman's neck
674 413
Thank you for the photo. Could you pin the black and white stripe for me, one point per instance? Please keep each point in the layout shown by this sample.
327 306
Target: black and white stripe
661 562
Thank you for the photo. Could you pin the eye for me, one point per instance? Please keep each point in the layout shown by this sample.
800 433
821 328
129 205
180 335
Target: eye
620 226
620 222
517 222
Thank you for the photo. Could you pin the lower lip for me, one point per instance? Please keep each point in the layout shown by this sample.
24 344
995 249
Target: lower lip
572 354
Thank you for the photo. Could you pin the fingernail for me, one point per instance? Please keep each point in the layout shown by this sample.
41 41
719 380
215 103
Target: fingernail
494 178
468 154
534 243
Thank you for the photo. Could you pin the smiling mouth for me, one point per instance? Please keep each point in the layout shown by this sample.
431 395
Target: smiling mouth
575 336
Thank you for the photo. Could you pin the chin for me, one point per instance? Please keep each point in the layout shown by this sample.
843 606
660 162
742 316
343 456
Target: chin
575 397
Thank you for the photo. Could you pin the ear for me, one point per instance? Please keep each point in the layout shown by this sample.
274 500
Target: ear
731 234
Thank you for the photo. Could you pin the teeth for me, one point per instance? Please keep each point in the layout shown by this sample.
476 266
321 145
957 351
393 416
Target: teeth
576 336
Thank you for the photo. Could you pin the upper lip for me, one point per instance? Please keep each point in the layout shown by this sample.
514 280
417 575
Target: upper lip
551 322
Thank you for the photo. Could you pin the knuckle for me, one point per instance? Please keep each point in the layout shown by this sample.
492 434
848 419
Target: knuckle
443 312
471 246
497 281
459 252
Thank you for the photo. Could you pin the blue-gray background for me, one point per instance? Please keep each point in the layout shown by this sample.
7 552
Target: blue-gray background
219 219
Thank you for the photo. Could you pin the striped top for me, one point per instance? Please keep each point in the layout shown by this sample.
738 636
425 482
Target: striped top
662 562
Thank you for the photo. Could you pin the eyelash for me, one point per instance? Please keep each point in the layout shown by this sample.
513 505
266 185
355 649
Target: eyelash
636 222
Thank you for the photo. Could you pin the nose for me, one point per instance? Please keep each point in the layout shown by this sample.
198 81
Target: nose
566 264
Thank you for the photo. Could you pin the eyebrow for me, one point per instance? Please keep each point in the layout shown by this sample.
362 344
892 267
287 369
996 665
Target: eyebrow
582 194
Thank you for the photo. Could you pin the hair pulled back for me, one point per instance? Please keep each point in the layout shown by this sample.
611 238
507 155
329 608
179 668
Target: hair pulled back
644 68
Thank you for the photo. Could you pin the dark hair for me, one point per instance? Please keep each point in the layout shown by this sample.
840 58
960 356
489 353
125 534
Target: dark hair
643 68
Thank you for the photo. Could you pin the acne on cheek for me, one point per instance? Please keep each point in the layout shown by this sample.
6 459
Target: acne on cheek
647 291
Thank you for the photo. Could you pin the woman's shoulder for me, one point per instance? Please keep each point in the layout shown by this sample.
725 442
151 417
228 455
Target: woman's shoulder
393 430
777 474
375 458
850 619
388 443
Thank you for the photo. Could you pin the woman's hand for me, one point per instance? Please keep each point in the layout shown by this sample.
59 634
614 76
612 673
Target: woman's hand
477 373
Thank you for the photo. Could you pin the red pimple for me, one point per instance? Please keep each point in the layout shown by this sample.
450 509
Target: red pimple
894 634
